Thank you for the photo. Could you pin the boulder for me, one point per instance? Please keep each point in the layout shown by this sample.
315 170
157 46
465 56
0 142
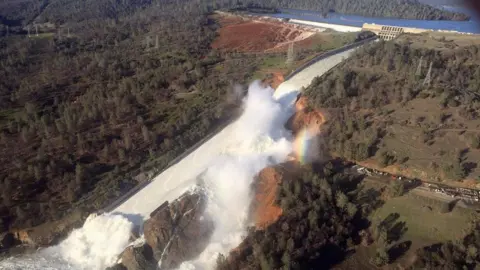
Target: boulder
50 233
179 231
158 229
7 240
139 258
3 227
117 266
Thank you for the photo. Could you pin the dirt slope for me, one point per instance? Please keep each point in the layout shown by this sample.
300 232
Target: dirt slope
257 35
265 210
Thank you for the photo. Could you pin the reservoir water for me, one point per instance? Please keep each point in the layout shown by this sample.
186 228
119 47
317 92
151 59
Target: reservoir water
471 26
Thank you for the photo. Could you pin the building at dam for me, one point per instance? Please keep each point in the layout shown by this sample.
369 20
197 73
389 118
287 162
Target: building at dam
388 32
385 32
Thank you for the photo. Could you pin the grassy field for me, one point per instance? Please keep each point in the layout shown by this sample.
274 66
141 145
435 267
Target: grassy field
425 225
305 50
416 131
326 41
439 41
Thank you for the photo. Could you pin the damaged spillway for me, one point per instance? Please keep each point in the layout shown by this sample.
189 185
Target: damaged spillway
223 168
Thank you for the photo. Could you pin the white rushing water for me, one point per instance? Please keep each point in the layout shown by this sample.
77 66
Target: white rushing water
226 164
94 246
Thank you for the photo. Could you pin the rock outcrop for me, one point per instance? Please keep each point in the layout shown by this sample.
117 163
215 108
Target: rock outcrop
7 240
178 231
50 233
305 118
117 266
139 258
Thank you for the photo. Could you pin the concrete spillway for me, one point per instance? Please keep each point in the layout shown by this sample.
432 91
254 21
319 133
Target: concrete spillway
170 184
226 165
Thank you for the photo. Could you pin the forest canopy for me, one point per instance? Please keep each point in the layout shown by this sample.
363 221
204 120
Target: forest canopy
405 9
16 13
87 108
397 101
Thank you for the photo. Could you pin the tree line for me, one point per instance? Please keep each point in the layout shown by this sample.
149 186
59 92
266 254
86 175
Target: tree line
85 111
21 13
405 9
323 214
395 73
326 218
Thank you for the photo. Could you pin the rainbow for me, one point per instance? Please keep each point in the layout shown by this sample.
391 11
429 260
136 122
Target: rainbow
301 146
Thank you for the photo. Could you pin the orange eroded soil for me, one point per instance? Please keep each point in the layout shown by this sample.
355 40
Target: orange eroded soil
265 211
305 118
275 80
255 35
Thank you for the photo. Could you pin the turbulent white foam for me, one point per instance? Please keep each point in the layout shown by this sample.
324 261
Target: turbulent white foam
97 244
259 139
94 246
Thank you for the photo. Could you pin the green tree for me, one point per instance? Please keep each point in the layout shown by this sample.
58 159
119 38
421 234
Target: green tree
382 236
79 174
385 158
105 152
341 200
396 189
475 141
351 210
381 257
121 154
286 259
37 172
455 171
290 245
445 208
127 140
363 152
20 212
264 264
6 193
146 134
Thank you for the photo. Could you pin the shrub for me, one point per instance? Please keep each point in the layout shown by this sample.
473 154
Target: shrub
396 189
445 208
381 258
475 141
455 171
386 158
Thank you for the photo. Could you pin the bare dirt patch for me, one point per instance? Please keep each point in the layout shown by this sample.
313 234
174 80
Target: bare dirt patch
265 210
273 77
257 35
305 118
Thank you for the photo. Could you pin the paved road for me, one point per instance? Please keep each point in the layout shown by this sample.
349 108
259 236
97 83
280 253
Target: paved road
177 179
